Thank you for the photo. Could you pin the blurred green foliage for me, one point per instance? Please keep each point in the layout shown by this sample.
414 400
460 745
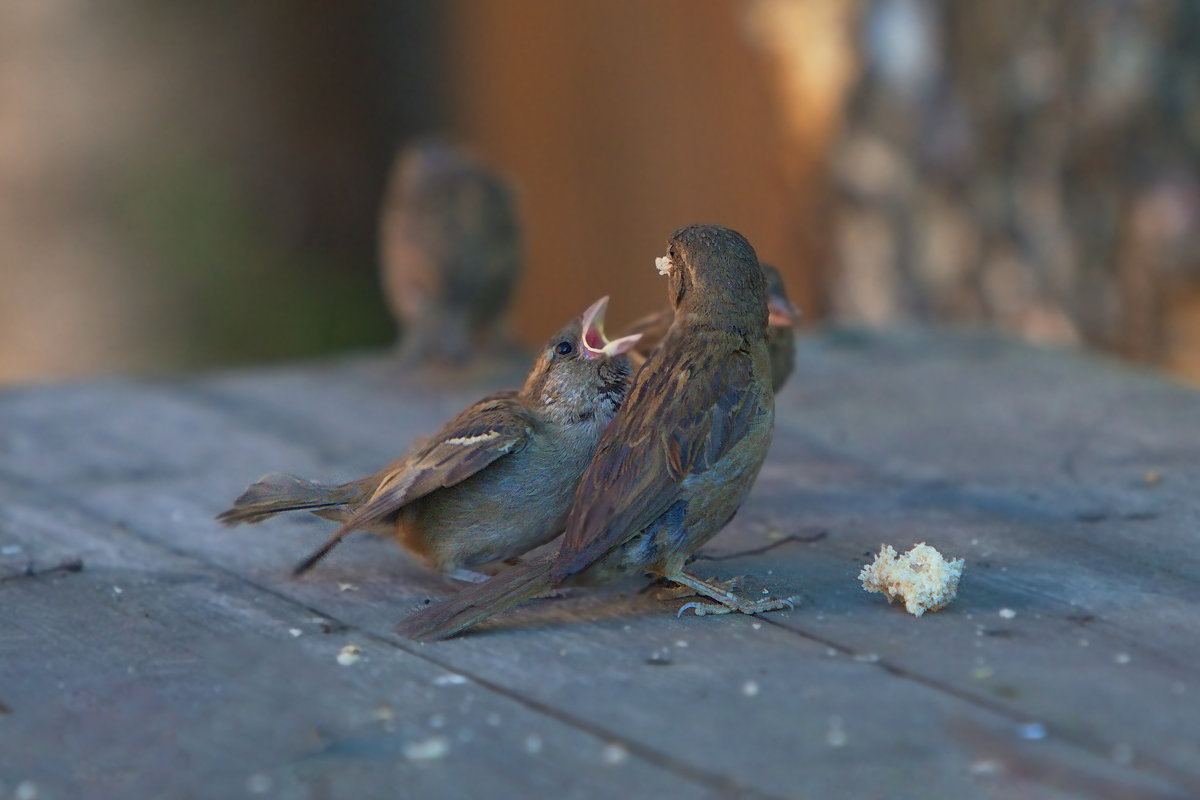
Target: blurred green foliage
236 290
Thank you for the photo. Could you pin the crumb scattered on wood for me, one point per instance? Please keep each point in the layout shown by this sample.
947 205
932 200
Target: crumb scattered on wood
427 749
614 753
922 578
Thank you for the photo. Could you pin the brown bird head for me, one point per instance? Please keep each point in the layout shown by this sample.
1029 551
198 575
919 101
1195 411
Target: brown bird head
715 279
451 252
580 373
780 311
782 317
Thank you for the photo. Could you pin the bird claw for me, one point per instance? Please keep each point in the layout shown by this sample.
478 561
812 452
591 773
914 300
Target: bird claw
726 601
704 609
771 604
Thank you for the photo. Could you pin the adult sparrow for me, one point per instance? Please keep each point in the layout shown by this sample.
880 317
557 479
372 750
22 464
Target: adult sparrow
496 481
450 249
679 457
782 317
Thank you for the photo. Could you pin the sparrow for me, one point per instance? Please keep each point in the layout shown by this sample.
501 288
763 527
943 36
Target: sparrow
495 481
679 457
450 251
782 317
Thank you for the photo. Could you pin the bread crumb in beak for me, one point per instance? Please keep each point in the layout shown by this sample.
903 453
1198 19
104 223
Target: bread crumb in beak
664 264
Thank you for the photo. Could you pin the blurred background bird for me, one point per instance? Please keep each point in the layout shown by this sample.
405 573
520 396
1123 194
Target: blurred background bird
451 253
496 481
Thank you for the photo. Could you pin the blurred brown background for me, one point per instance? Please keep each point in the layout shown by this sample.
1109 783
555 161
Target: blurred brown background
186 185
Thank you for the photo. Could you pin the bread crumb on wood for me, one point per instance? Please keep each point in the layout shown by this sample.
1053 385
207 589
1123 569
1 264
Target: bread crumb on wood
922 578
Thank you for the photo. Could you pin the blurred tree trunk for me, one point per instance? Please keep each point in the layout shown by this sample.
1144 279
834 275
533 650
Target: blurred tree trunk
1028 162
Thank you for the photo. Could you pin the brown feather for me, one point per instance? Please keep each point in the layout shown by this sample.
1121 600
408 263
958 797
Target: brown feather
675 428
492 428
475 603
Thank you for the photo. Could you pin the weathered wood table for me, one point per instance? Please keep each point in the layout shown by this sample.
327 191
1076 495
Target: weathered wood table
147 652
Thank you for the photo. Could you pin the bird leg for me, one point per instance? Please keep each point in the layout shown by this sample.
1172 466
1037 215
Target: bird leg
681 590
467 575
727 601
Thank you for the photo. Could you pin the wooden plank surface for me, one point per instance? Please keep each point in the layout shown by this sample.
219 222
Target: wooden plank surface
182 660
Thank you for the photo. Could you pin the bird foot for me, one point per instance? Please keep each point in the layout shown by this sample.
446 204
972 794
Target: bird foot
739 605
727 601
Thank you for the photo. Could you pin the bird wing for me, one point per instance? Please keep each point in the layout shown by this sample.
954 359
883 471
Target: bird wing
493 428
689 407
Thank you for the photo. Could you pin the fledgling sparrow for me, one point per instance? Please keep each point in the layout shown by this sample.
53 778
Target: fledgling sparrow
450 251
495 481
782 317
679 457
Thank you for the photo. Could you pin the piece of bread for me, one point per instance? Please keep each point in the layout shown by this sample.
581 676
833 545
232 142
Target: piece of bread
922 578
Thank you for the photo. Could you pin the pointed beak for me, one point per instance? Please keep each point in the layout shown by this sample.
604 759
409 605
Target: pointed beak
595 343
781 313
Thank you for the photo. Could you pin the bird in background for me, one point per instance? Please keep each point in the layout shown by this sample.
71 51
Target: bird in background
495 481
450 251
782 318
679 457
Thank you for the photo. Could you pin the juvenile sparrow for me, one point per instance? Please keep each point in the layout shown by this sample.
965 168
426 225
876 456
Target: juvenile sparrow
450 248
782 317
496 481
680 456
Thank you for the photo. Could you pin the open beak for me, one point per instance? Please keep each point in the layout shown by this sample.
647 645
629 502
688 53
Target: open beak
595 343
781 313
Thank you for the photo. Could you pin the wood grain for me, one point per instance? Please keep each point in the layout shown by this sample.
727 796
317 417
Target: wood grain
183 660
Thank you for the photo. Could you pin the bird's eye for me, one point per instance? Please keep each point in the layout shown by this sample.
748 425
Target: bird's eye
564 348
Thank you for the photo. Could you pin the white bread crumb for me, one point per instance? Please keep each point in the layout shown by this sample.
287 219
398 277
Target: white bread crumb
922 578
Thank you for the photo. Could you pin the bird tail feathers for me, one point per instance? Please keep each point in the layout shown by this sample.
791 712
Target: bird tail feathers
476 603
278 492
